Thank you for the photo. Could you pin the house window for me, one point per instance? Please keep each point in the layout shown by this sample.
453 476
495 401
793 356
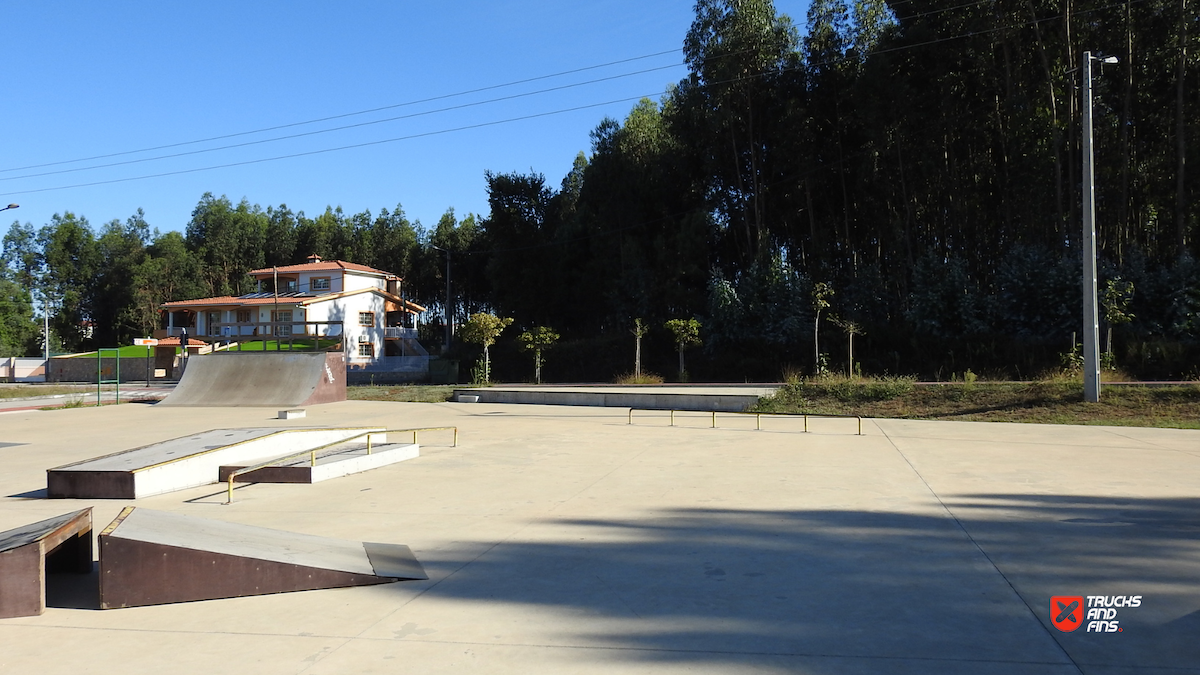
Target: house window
366 349
212 319
281 316
366 319
243 316
320 283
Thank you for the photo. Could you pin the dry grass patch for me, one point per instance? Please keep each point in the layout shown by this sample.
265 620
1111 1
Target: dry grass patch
1049 402
404 393
32 391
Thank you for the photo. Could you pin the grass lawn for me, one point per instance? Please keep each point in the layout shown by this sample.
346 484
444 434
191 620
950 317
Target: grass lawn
407 393
299 345
1051 402
30 391
127 352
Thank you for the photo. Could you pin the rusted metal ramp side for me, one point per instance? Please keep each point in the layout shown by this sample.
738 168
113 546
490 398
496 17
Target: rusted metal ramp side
274 379
185 462
156 557
59 544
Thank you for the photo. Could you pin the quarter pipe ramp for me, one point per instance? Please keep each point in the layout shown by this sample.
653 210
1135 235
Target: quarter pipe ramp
279 379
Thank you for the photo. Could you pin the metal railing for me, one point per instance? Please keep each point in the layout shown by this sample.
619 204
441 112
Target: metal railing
312 452
757 416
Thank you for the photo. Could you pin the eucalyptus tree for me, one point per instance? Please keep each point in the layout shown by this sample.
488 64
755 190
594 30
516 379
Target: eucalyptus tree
70 261
738 52
228 241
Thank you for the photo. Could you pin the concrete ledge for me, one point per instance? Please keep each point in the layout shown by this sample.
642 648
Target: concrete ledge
704 398
329 466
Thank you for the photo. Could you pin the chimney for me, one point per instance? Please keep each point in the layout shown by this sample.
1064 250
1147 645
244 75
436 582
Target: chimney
314 258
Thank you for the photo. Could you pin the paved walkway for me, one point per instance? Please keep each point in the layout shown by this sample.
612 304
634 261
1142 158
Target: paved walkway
129 392
562 539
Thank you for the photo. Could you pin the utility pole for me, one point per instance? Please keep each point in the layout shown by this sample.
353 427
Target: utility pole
1091 327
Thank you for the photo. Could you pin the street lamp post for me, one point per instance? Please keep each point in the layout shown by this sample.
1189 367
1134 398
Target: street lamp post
11 206
1091 328
449 310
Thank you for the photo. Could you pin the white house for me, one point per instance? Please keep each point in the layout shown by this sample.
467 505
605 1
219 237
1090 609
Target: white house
361 307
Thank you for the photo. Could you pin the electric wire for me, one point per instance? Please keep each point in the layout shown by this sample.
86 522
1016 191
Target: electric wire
344 127
545 114
334 149
345 115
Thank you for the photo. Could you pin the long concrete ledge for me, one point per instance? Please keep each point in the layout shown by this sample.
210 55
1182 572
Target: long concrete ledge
180 463
730 398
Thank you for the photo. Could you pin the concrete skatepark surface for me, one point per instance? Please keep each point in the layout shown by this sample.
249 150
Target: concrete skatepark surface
268 379
561 539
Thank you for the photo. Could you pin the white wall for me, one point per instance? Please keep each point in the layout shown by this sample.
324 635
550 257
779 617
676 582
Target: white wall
354 282
346 309
335 281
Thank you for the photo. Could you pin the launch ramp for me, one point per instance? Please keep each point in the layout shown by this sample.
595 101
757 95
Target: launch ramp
156 557
59 544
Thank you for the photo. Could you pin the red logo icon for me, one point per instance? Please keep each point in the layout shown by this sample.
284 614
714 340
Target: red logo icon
1066 612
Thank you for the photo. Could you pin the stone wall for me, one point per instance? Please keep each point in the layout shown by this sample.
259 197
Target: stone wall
83 369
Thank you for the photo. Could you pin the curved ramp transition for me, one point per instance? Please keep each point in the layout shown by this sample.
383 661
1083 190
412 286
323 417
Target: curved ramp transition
279 379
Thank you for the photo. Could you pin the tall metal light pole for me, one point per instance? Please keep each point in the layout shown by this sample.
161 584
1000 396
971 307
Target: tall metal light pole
449 310
11 206
1091 327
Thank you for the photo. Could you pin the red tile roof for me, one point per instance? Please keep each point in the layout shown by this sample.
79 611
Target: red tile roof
174 342
324 265
232 301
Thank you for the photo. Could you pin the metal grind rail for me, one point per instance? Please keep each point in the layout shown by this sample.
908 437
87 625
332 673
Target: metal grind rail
312 452
757 416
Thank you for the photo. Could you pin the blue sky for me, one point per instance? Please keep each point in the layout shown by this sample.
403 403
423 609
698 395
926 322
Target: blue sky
86 79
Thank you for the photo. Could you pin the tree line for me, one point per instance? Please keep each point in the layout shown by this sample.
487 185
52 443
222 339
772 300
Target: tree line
103 287
901 167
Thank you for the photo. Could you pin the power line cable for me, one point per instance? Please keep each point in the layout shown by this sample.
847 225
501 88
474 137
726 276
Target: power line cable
334 149
535 115
347 126
344 115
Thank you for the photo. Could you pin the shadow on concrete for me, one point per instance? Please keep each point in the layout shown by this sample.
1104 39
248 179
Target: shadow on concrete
74 591
869 591
40 493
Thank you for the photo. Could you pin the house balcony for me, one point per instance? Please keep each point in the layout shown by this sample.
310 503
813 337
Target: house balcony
259 330
399 333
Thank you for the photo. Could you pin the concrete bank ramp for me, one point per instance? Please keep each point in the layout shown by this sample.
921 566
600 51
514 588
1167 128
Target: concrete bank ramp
269 379
157 557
